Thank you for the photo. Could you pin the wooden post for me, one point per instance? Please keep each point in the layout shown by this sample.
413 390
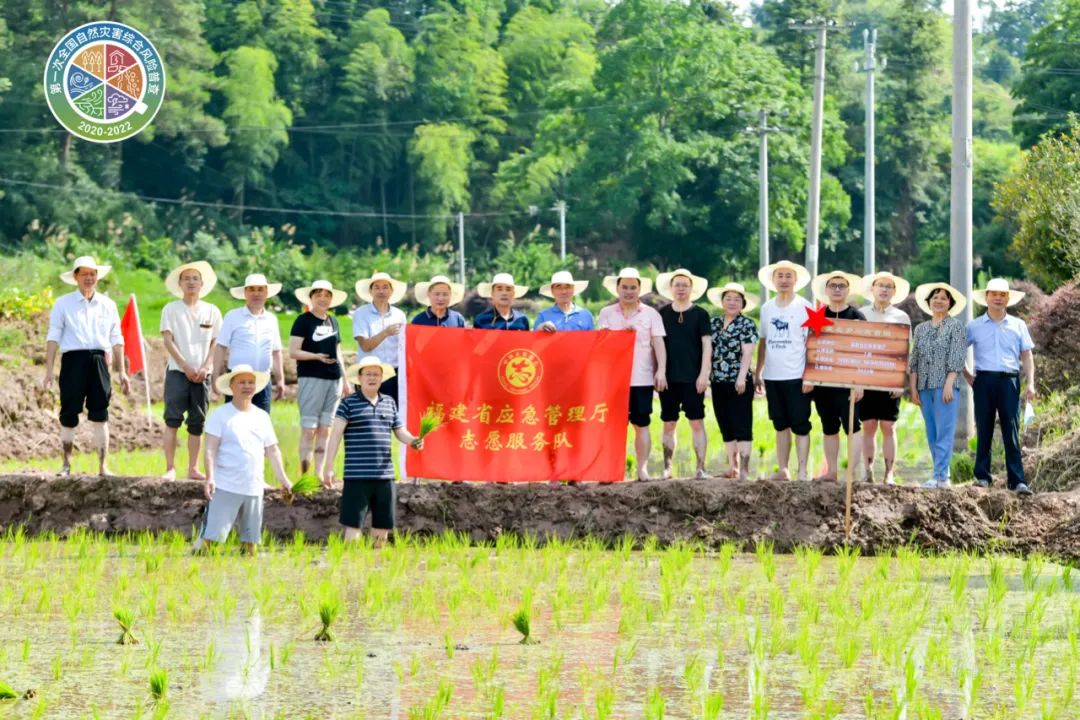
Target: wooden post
850 465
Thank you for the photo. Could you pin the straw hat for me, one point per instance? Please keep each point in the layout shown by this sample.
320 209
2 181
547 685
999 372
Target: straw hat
563 277
716 296
698 285
997 285
802 275
922 297
84 262
903 287
421 290
484 289
611 282
352 373
223 381
304 294
398 287
209 278
854 284
255 280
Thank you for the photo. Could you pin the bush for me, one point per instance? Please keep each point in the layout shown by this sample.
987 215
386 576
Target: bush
1053 327
962 468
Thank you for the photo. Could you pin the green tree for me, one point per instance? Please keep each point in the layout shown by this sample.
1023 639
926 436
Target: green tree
1042 201
441 155
1049 86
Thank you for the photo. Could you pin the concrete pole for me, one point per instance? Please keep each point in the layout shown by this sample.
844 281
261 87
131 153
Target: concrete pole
763 196
813 218
461 247
870 66
960 265
560 206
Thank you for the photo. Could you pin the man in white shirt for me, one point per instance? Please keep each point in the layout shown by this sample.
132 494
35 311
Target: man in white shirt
238 438
378 324
189 327
781 362
83 326
250 336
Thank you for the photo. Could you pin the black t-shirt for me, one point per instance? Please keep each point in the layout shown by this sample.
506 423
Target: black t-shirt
683 342
320 336
848 313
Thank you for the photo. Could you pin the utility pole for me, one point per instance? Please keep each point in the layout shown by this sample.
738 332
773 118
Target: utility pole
461 247
560 207
762 130
960 261
869 66
821 28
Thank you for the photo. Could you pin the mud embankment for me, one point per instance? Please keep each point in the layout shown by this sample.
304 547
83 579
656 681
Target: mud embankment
712 512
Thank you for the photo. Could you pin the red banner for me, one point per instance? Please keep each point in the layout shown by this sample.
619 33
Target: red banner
133 340
519 406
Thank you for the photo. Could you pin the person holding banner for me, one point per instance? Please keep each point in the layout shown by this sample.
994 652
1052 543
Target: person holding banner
781 362
439 294
502 291
833 403
377 326
565 314
250 336
938 353
1002 346
364 423
84 325
189 329
649 369
688 344
880 409
315 345
734 336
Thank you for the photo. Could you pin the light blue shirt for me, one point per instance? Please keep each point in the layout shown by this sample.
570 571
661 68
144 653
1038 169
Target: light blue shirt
577 319
369 322
998 345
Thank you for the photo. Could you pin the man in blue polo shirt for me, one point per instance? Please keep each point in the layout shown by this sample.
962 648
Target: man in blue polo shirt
439 294
565 314
364 421
1002 348
502 291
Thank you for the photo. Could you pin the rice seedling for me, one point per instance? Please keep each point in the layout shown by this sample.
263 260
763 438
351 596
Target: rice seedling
159 684
430 421
305 485
7 692
125 618
520 619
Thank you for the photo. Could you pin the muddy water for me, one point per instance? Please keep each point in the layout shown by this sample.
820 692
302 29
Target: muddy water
425 632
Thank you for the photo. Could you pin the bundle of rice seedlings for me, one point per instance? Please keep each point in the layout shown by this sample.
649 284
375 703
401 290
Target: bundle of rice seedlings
521 624
159 684
306 485
429 423
125 618
329 609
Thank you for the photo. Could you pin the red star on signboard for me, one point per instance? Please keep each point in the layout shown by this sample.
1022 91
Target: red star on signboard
816 320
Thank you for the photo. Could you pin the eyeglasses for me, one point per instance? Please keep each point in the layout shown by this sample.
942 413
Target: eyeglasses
837 286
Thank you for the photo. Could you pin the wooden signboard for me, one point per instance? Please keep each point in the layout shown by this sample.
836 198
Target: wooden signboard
850 353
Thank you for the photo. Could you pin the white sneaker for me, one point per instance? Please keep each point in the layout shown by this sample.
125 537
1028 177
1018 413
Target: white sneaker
933 484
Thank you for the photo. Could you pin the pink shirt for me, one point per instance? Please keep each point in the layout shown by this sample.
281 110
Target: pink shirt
646 324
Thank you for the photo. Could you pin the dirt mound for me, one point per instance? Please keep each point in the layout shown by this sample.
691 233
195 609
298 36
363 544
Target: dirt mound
711 512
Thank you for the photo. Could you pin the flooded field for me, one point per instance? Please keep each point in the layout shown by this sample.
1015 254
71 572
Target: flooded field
427 629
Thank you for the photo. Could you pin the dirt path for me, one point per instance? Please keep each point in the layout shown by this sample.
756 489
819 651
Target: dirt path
711 512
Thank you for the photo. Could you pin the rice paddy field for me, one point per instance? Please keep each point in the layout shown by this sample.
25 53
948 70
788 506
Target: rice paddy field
438 627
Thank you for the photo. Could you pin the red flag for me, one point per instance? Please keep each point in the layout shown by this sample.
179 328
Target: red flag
519 406
133 340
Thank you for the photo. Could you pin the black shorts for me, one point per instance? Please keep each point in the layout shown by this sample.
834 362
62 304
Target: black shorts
183 397
878 405
84 378
357 496
789 406
389 387
832 409
641 405
734 412
681 396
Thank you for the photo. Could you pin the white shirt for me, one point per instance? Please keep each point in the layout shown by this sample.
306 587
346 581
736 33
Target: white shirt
369 322
784 338
251 339
238 465
892 314
76 323
193 328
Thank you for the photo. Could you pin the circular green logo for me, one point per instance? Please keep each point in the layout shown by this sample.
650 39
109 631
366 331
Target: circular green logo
104 81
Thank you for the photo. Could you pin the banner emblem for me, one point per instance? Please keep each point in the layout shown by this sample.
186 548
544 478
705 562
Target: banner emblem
520 371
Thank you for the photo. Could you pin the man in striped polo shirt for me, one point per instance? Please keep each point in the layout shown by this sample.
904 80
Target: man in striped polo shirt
364 421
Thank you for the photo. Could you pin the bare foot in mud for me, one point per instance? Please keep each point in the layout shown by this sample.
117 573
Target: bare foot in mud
169 475
783 476
194 474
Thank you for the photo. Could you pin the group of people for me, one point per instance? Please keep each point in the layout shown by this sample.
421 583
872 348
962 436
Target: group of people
680 352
